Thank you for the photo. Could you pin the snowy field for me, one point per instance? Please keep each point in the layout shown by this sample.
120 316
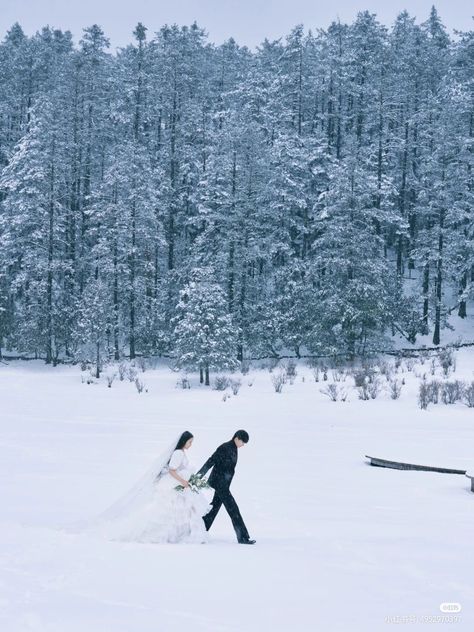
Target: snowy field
341 546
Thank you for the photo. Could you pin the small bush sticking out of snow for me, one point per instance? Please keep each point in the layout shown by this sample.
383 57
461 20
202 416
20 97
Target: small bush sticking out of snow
447 360
110 376
271 364
291 371
452 392
278 379
183 382
374 388
424 356
141 364
316 371
132 373
140 385
235 386
423 396
339 375
434 388
469 395
122 369
335 392
245 367
364 375
221 382
395 387
364 391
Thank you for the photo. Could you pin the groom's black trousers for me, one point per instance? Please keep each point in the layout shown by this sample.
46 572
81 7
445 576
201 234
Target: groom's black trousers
222 496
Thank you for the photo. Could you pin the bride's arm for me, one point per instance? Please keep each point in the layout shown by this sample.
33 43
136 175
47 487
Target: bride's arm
182 481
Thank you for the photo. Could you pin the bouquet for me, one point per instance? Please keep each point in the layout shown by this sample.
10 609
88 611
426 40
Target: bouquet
196 483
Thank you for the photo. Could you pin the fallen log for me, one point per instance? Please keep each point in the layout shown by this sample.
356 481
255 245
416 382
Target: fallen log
396 465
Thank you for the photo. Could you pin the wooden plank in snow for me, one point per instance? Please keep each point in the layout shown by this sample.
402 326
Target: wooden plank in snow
396 465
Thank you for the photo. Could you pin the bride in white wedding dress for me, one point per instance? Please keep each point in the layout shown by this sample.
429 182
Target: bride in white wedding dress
154 510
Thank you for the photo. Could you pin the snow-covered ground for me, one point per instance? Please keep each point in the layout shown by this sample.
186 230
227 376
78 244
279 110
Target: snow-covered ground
341 546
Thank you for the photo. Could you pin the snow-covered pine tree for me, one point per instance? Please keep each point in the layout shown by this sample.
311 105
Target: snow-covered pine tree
204 334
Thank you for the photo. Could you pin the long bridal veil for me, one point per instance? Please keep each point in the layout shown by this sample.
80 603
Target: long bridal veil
118 517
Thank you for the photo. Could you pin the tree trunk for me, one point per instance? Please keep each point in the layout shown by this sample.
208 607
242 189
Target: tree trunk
97 360
439 282
207 376
426 286
462 312
49 287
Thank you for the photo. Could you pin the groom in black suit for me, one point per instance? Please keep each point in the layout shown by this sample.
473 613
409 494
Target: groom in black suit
223 463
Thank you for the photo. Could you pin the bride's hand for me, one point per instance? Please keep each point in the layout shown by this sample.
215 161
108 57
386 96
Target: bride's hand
185 484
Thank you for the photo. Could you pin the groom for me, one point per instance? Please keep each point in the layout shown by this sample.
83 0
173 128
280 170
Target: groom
223 463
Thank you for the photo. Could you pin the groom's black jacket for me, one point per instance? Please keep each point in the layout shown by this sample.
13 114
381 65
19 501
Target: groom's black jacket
223 463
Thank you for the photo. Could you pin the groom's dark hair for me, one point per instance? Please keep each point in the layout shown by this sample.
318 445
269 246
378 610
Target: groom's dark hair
243 435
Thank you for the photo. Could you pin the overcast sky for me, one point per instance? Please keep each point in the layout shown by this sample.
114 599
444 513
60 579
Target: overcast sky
248 21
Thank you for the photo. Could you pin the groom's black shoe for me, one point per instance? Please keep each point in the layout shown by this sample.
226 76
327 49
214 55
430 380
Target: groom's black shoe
247 541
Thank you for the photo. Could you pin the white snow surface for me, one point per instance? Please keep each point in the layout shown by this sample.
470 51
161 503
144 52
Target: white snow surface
341 546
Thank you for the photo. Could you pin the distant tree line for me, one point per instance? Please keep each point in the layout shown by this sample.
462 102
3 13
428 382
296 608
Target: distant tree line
211 202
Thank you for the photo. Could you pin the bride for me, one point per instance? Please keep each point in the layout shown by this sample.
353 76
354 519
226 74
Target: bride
154 510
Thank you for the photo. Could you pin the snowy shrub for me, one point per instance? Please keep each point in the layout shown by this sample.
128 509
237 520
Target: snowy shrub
447 360
373 388
395 388
235 386
226 396
434 388
469 395
110 376
339 375
122 369
324 369
410 363
385 368
433 366
89 378
141 364
132 373
363 375
85 366
272 364
423 396
335 392
245 367
140 385
291 372
183 382
364 390
424 356
278 379
452 392
250 383
221 382
316 370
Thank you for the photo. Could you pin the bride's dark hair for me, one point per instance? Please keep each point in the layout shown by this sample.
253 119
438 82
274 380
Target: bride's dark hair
184 438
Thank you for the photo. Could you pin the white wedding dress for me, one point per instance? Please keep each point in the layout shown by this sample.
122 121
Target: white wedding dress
174 516
154 511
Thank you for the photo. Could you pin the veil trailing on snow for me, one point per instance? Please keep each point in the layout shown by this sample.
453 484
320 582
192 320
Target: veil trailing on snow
142 491
132 501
